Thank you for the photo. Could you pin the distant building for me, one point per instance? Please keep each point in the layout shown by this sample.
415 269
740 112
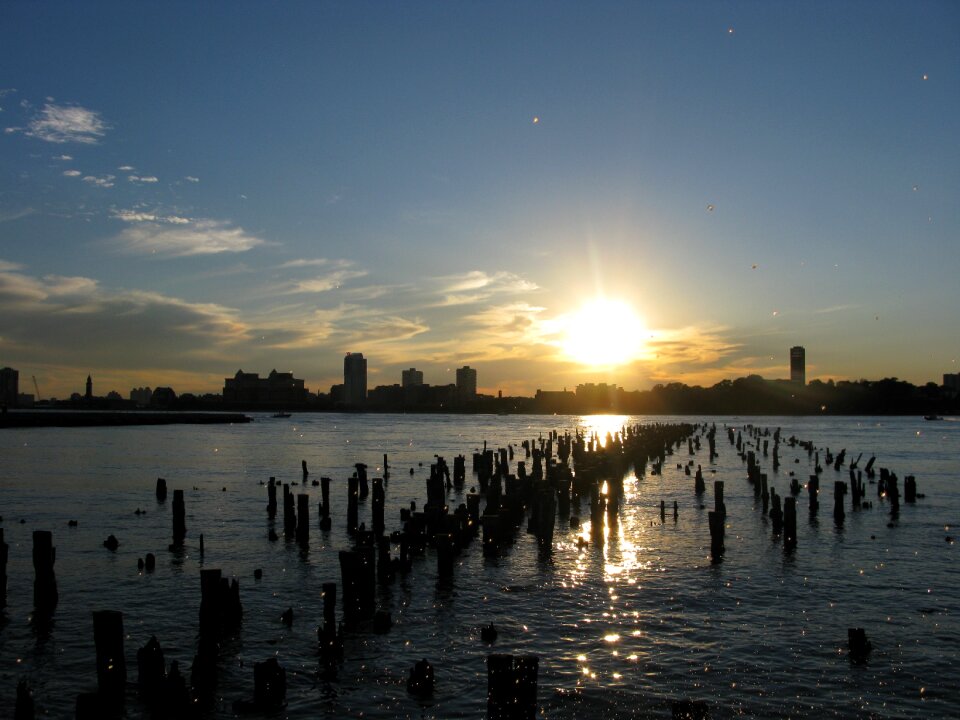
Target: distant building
597 396
9 386
88 395
141 396
466 384
951 381
277 390
798 365
412 377
355 379
163 397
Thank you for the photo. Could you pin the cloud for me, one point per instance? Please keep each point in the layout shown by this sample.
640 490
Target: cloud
72 173
141 179
6 216
56 316
138 216
477 286
195 237
190 178
316 262
67 123
63 157
126 168
105 181
322 283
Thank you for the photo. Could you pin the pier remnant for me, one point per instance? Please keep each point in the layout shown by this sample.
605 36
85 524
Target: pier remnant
512 686
179 520
111 663
45 595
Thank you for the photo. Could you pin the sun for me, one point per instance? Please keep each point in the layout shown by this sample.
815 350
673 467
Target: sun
603 333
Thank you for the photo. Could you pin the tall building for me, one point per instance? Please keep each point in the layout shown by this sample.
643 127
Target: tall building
412 377
798 365
277 390
9 386
89 392
466 383
355 379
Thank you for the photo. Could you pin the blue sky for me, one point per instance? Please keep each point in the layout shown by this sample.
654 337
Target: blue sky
186 189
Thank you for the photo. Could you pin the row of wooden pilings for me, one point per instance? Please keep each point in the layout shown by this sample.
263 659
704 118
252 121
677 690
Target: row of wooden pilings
550 489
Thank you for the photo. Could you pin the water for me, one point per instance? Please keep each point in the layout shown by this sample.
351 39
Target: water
621 628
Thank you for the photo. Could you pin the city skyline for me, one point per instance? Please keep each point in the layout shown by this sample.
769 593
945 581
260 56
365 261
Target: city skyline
553 193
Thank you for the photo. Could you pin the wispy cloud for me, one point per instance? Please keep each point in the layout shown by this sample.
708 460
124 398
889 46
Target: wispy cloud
191 178
64 158
8 215
195 237
477 286
72 173
315 262
126 168
137 216
67 123
142 178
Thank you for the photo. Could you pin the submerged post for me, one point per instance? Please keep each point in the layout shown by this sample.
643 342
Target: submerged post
179 520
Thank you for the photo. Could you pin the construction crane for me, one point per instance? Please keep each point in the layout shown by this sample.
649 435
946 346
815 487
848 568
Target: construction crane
36 387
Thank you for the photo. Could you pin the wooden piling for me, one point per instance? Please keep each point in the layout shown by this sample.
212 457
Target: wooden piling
272 498
353 498
303 518
179 520
839 490
45 595
161 490
813 490
151 670
377 507
4 553
289 513
111 663
269 684
910 489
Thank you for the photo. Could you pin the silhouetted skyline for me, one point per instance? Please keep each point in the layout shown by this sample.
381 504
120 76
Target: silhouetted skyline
556 193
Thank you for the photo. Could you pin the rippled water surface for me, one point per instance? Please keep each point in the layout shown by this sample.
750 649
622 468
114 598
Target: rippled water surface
621 627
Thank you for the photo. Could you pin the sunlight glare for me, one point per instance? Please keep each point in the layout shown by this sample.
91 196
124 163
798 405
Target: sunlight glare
604 333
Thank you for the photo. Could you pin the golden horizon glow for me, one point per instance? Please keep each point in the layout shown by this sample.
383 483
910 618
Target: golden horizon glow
603 333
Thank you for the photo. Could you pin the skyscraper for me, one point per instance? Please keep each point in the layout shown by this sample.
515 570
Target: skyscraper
355 379
798 365
466 383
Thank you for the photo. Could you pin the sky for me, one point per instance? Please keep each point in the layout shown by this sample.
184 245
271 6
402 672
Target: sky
188 189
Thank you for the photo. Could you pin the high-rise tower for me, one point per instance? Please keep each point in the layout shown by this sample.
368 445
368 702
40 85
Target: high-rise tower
798 365
355 380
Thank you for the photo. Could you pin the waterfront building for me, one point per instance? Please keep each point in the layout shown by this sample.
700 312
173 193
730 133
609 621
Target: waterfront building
412 377
88 395
9 386
798 365
355 379
277 390
141 396
466 384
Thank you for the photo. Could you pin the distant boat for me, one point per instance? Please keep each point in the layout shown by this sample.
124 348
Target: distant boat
282 414
932 417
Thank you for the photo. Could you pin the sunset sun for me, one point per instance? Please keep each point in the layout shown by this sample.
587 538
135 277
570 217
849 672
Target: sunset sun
603 333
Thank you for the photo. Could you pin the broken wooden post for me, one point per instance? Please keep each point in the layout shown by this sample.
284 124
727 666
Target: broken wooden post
303 519
445 553
353 493
45 595
161 490
377 507
272 498
764 493
839 490
813 489
306 473
858 644
364 489
4 553
111 663
716 521
269 684
289 513
776 512
420 682
151 670
910 489
24 709
179 520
